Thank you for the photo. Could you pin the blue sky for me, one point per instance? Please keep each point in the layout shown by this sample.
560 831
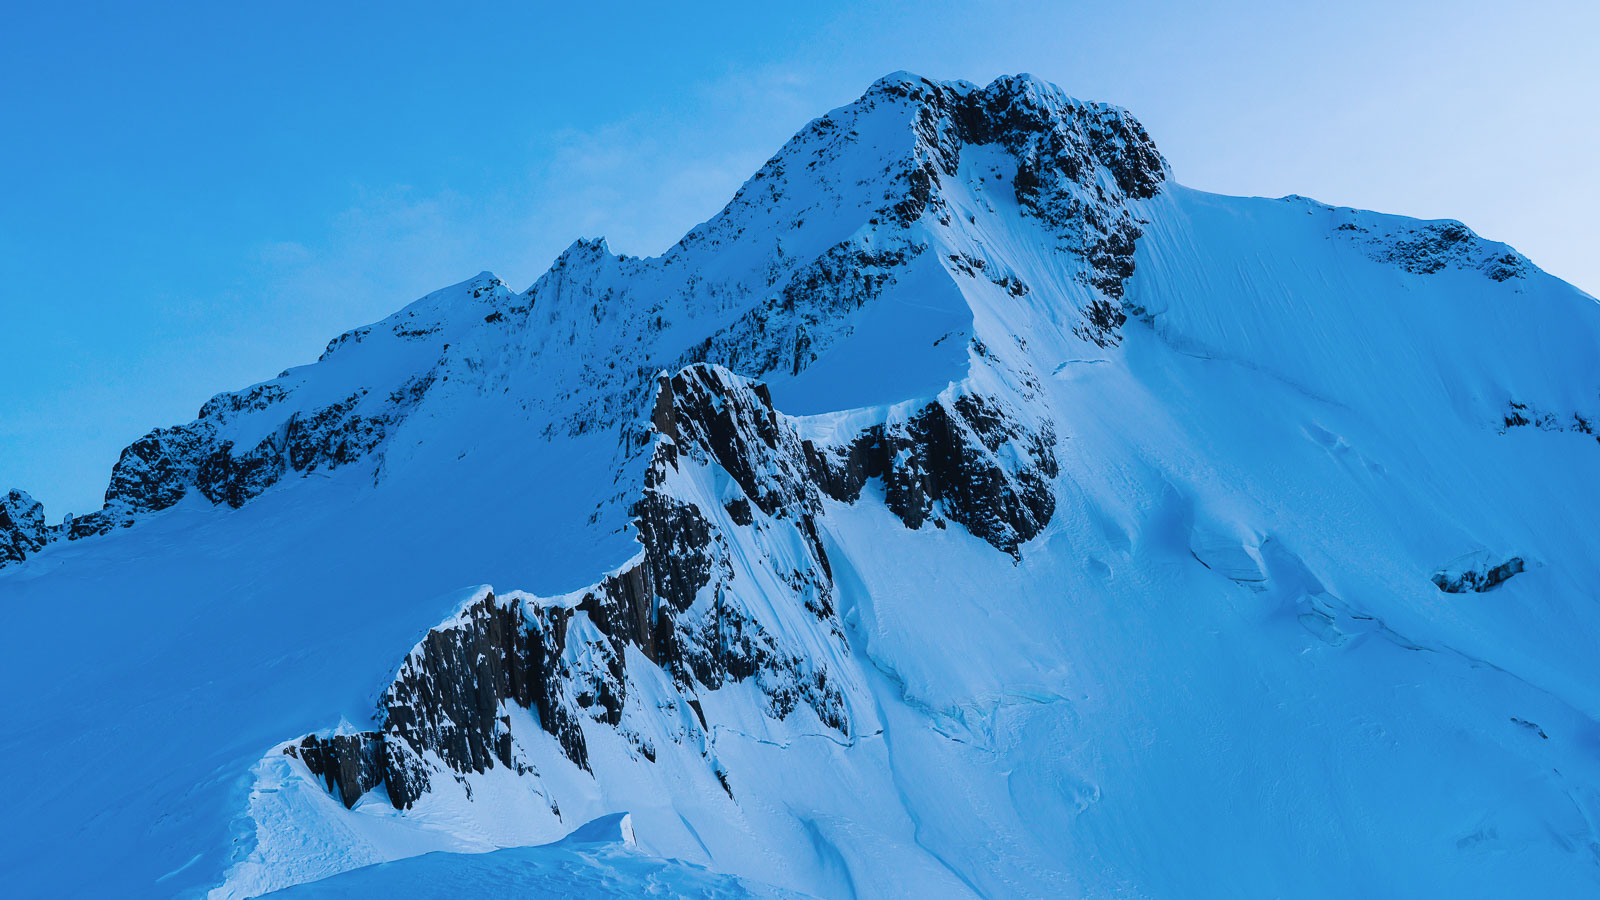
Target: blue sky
198 196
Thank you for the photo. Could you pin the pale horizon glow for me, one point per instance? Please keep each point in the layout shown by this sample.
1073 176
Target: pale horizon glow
201 197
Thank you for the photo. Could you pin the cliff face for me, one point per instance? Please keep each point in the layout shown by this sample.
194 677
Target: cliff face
680 606
22 528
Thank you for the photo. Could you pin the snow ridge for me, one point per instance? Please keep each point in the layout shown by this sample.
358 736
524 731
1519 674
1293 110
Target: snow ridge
765 286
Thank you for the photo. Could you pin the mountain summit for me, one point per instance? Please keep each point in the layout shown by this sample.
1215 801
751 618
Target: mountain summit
967 510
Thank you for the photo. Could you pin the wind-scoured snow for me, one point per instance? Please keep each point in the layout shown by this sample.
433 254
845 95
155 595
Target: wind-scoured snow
1092 536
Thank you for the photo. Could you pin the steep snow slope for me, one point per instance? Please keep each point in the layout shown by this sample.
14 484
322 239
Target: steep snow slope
1083 534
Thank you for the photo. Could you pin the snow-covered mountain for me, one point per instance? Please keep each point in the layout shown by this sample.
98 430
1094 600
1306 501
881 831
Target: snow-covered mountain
968 509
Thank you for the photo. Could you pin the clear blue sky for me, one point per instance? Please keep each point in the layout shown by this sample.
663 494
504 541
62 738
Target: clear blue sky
197 196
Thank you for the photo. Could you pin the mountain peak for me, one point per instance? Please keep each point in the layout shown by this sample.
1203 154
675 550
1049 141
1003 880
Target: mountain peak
767 285
1018 109
893 516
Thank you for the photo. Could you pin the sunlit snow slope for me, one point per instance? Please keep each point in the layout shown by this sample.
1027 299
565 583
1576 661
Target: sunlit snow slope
967 510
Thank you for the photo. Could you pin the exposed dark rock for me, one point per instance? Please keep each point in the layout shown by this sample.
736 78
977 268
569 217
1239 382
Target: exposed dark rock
224 407
735 423
783 335
1531 726
1523 415
226 478
22 528
1505 267
334 436
157 470
1036 121
165 465
739 511
448 699
1430 248
1517 417
350 764
93 524
448 694
1102 322
678 563
1061 145
1475 574
973 266
352 336
943 462
1426 249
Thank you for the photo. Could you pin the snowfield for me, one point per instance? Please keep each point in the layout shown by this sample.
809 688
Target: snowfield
595 861
968 510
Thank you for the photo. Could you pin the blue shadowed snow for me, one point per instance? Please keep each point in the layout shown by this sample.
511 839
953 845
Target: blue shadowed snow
1223 669
595 861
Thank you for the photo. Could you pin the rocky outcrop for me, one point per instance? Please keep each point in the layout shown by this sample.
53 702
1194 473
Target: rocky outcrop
350 764
22 528
1081 168
1053 135
242 443
168 464
966 459
157 470
447 699
1434 247
336 435
678 605
233 478
1476 572
788 334
710 410
1524 415
1066 151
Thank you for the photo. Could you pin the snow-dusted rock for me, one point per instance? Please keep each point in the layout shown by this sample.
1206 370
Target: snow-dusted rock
22 528
678 605
1477 571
